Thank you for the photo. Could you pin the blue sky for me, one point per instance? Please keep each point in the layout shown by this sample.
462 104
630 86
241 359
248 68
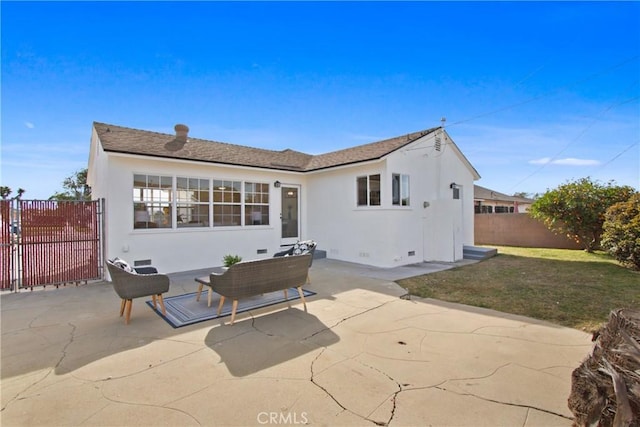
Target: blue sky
535 93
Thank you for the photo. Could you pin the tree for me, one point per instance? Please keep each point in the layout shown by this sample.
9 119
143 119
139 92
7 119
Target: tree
621 235
577 209
6 191
75 186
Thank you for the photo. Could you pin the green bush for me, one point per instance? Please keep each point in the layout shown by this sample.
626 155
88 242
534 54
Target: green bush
621 235
577 209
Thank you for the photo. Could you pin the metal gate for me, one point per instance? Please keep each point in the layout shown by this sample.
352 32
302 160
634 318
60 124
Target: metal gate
45 242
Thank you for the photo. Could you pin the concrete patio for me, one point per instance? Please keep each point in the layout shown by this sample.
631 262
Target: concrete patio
360 356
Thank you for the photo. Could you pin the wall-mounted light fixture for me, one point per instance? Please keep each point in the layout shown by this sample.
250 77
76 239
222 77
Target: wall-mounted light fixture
453 185
276 184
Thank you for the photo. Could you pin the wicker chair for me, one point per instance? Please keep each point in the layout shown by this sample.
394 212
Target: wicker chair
131 285
250 278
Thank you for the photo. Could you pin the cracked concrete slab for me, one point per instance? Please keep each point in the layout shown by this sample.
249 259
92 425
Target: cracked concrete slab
360 355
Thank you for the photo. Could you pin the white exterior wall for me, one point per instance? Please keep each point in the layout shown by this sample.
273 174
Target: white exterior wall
387 235
384 236
182 249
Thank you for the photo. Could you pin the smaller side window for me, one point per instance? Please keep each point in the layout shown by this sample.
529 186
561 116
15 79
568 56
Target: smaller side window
400 189
368 190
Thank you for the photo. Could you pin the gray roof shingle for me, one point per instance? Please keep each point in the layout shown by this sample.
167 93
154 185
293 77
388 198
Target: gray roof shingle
120 139
488 194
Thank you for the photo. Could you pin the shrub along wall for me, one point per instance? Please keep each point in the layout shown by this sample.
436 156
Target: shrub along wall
518 230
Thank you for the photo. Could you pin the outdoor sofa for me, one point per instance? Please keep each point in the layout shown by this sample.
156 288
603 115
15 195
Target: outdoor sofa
249 278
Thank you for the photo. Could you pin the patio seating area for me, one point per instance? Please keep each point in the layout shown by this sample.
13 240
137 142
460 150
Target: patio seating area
363 354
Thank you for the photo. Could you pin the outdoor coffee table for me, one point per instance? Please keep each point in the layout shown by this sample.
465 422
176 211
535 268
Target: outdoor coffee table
204 280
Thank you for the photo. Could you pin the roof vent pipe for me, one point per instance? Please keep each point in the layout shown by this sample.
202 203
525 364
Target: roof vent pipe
181 133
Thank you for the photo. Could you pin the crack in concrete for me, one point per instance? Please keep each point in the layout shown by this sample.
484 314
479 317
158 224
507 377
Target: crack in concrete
337 402
403 387
131 374
122 402
518 405
18 395
328 393
344 319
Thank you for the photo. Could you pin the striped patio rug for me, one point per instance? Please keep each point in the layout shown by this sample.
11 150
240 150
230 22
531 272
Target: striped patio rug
183 310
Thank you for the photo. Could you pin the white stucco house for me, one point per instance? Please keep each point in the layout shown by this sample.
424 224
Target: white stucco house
183 203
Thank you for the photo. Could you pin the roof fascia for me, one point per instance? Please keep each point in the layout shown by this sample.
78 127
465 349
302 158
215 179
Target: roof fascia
346 166
200 162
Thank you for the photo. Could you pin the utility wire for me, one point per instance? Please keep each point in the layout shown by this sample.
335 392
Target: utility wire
589 126
616 156
546 94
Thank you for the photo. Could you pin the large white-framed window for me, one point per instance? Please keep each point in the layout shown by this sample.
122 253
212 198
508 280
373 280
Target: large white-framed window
192 202
256 203
400 190
227 203
198 202
152 199
368 190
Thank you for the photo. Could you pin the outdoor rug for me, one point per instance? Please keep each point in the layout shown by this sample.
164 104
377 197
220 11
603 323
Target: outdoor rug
183 310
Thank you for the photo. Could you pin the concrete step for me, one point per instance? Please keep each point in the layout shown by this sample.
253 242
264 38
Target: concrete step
478 253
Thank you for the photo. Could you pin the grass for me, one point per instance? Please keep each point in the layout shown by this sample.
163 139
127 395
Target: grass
568 287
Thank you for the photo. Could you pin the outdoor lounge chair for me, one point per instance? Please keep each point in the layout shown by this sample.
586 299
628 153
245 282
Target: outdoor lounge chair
129 285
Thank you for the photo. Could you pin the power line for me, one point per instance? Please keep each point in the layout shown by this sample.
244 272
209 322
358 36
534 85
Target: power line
546 94
589 126
617 155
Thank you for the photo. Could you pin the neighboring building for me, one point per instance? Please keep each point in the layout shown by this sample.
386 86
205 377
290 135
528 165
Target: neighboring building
183 203
488 201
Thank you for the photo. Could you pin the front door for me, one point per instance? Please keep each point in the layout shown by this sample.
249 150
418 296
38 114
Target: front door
290 214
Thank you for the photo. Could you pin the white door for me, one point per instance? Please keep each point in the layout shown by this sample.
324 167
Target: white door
290 214
441 231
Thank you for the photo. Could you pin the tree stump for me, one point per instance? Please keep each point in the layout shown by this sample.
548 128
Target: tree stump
605 388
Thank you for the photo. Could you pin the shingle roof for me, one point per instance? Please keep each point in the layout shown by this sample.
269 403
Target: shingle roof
487 194
120 139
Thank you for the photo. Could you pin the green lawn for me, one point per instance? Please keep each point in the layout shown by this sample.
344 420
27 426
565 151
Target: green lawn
567 287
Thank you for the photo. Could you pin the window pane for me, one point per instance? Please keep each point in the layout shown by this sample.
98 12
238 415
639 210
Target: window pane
227 205
193 215
256 215
362 190
405 190
151 204
395 189
374 190
165 181
256 196
192 209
